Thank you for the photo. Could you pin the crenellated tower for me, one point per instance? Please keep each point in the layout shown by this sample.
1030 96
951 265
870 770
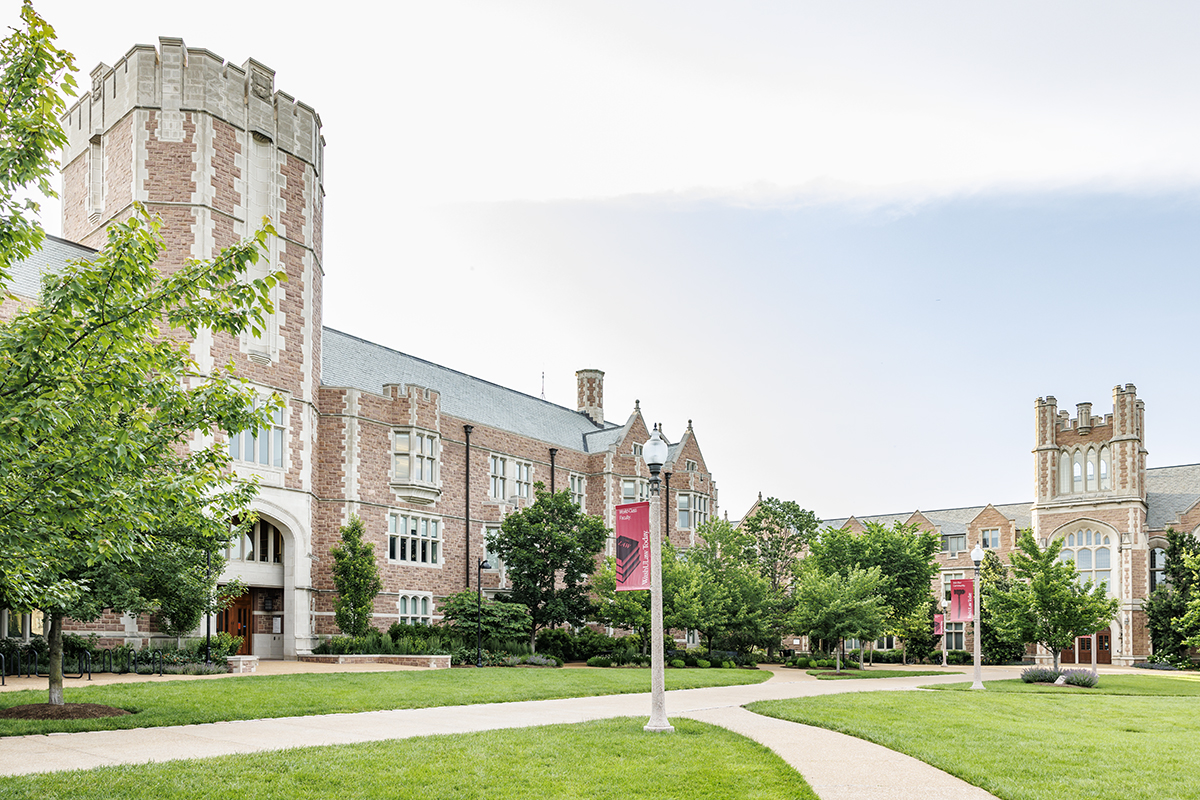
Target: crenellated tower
212 148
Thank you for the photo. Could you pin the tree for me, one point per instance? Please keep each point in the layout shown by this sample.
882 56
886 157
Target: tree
549 550
994 577
111 434
904 556
1167 607
32 72
1047 605
631 609
777 533
834 607
356 577
461 611
729 593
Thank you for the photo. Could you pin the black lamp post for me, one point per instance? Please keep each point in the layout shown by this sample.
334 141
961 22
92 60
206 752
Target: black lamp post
209 610
483 564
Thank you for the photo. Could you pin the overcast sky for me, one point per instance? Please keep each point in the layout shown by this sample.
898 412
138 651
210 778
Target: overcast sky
852 241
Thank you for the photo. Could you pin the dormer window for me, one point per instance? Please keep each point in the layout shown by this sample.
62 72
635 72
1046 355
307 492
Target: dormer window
690 466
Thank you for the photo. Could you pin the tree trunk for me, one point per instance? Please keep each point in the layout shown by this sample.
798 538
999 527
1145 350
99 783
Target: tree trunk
1055 655
838 656
533 638
56 653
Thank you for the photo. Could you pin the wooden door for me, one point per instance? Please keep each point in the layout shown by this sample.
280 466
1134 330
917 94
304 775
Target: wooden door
236 620
1103 648
1068 655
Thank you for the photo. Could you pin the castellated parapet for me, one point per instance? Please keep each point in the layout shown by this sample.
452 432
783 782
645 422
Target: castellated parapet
177 79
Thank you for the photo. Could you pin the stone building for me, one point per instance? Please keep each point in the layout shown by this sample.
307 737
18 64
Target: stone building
1094 493
212 148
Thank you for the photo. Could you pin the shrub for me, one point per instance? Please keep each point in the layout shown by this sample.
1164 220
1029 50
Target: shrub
800 661
1039 675
1156 665
1081 677
728 665
556 641
959 657
588 643
599 661
703 663
539 660
678 663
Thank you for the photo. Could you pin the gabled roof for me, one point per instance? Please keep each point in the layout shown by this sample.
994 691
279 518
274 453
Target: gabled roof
27 273
1170 491
949 521
358 364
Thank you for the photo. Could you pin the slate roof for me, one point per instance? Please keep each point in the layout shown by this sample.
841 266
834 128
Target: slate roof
27 273
356 363
1170 491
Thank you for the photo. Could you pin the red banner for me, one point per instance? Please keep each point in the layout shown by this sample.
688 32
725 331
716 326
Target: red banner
962 599
939 624
633 547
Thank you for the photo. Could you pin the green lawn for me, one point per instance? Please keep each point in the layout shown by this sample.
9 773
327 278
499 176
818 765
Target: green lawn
1138 743
165 702
607 760
856 674
1187 685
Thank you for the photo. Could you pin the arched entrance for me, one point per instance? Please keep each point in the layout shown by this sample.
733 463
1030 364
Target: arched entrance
257 558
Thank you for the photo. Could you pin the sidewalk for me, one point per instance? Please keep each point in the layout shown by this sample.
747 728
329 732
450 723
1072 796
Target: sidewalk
838 767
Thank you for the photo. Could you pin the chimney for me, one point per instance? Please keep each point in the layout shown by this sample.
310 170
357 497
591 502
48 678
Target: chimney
1084 412
591 394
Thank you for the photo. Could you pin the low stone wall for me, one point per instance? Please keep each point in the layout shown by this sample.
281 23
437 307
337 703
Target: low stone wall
429 662
243 664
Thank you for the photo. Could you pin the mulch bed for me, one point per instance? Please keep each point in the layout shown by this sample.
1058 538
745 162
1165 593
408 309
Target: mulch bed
65 711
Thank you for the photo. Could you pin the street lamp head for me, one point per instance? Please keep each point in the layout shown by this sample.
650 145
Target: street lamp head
655 452
977 555
484 564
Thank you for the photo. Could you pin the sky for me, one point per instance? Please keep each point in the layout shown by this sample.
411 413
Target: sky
851 242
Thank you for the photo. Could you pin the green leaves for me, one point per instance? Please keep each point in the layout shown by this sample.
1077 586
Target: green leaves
549 550
1047 606
356 576
31 69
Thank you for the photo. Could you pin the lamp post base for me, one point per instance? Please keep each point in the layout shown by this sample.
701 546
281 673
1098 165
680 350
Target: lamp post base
659 728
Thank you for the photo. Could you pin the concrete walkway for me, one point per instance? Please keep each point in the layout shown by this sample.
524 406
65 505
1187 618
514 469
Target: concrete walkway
835 765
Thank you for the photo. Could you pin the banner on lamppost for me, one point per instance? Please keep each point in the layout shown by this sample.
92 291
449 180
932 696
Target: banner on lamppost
633 547
939 624
962 599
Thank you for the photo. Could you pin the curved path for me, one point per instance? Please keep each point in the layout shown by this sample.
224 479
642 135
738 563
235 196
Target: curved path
835 765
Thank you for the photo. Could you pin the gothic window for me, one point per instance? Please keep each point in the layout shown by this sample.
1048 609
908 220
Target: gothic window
1158 567
1077 473
1091 553
1105 470
1064 473
1091 471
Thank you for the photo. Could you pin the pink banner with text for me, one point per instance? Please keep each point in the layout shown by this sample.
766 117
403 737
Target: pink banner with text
962 599
939 624
633 547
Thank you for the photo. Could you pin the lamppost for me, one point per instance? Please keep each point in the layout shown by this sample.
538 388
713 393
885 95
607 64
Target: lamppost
483 564
208 611
654 453
945 635
977 557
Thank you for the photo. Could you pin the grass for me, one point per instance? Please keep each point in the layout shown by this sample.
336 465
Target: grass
605 760
823 675
1141 685
159 703
1132 743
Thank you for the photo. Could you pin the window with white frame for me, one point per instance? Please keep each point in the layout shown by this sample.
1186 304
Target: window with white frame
946 578
1087 470
701 511
260 445
416 608
499 476
263 543
990 538
954 544
689 465
955 636
1158 567
414 457
495 563
1091 553
683 505
634 490
578 485
637 449
523 479
414 540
